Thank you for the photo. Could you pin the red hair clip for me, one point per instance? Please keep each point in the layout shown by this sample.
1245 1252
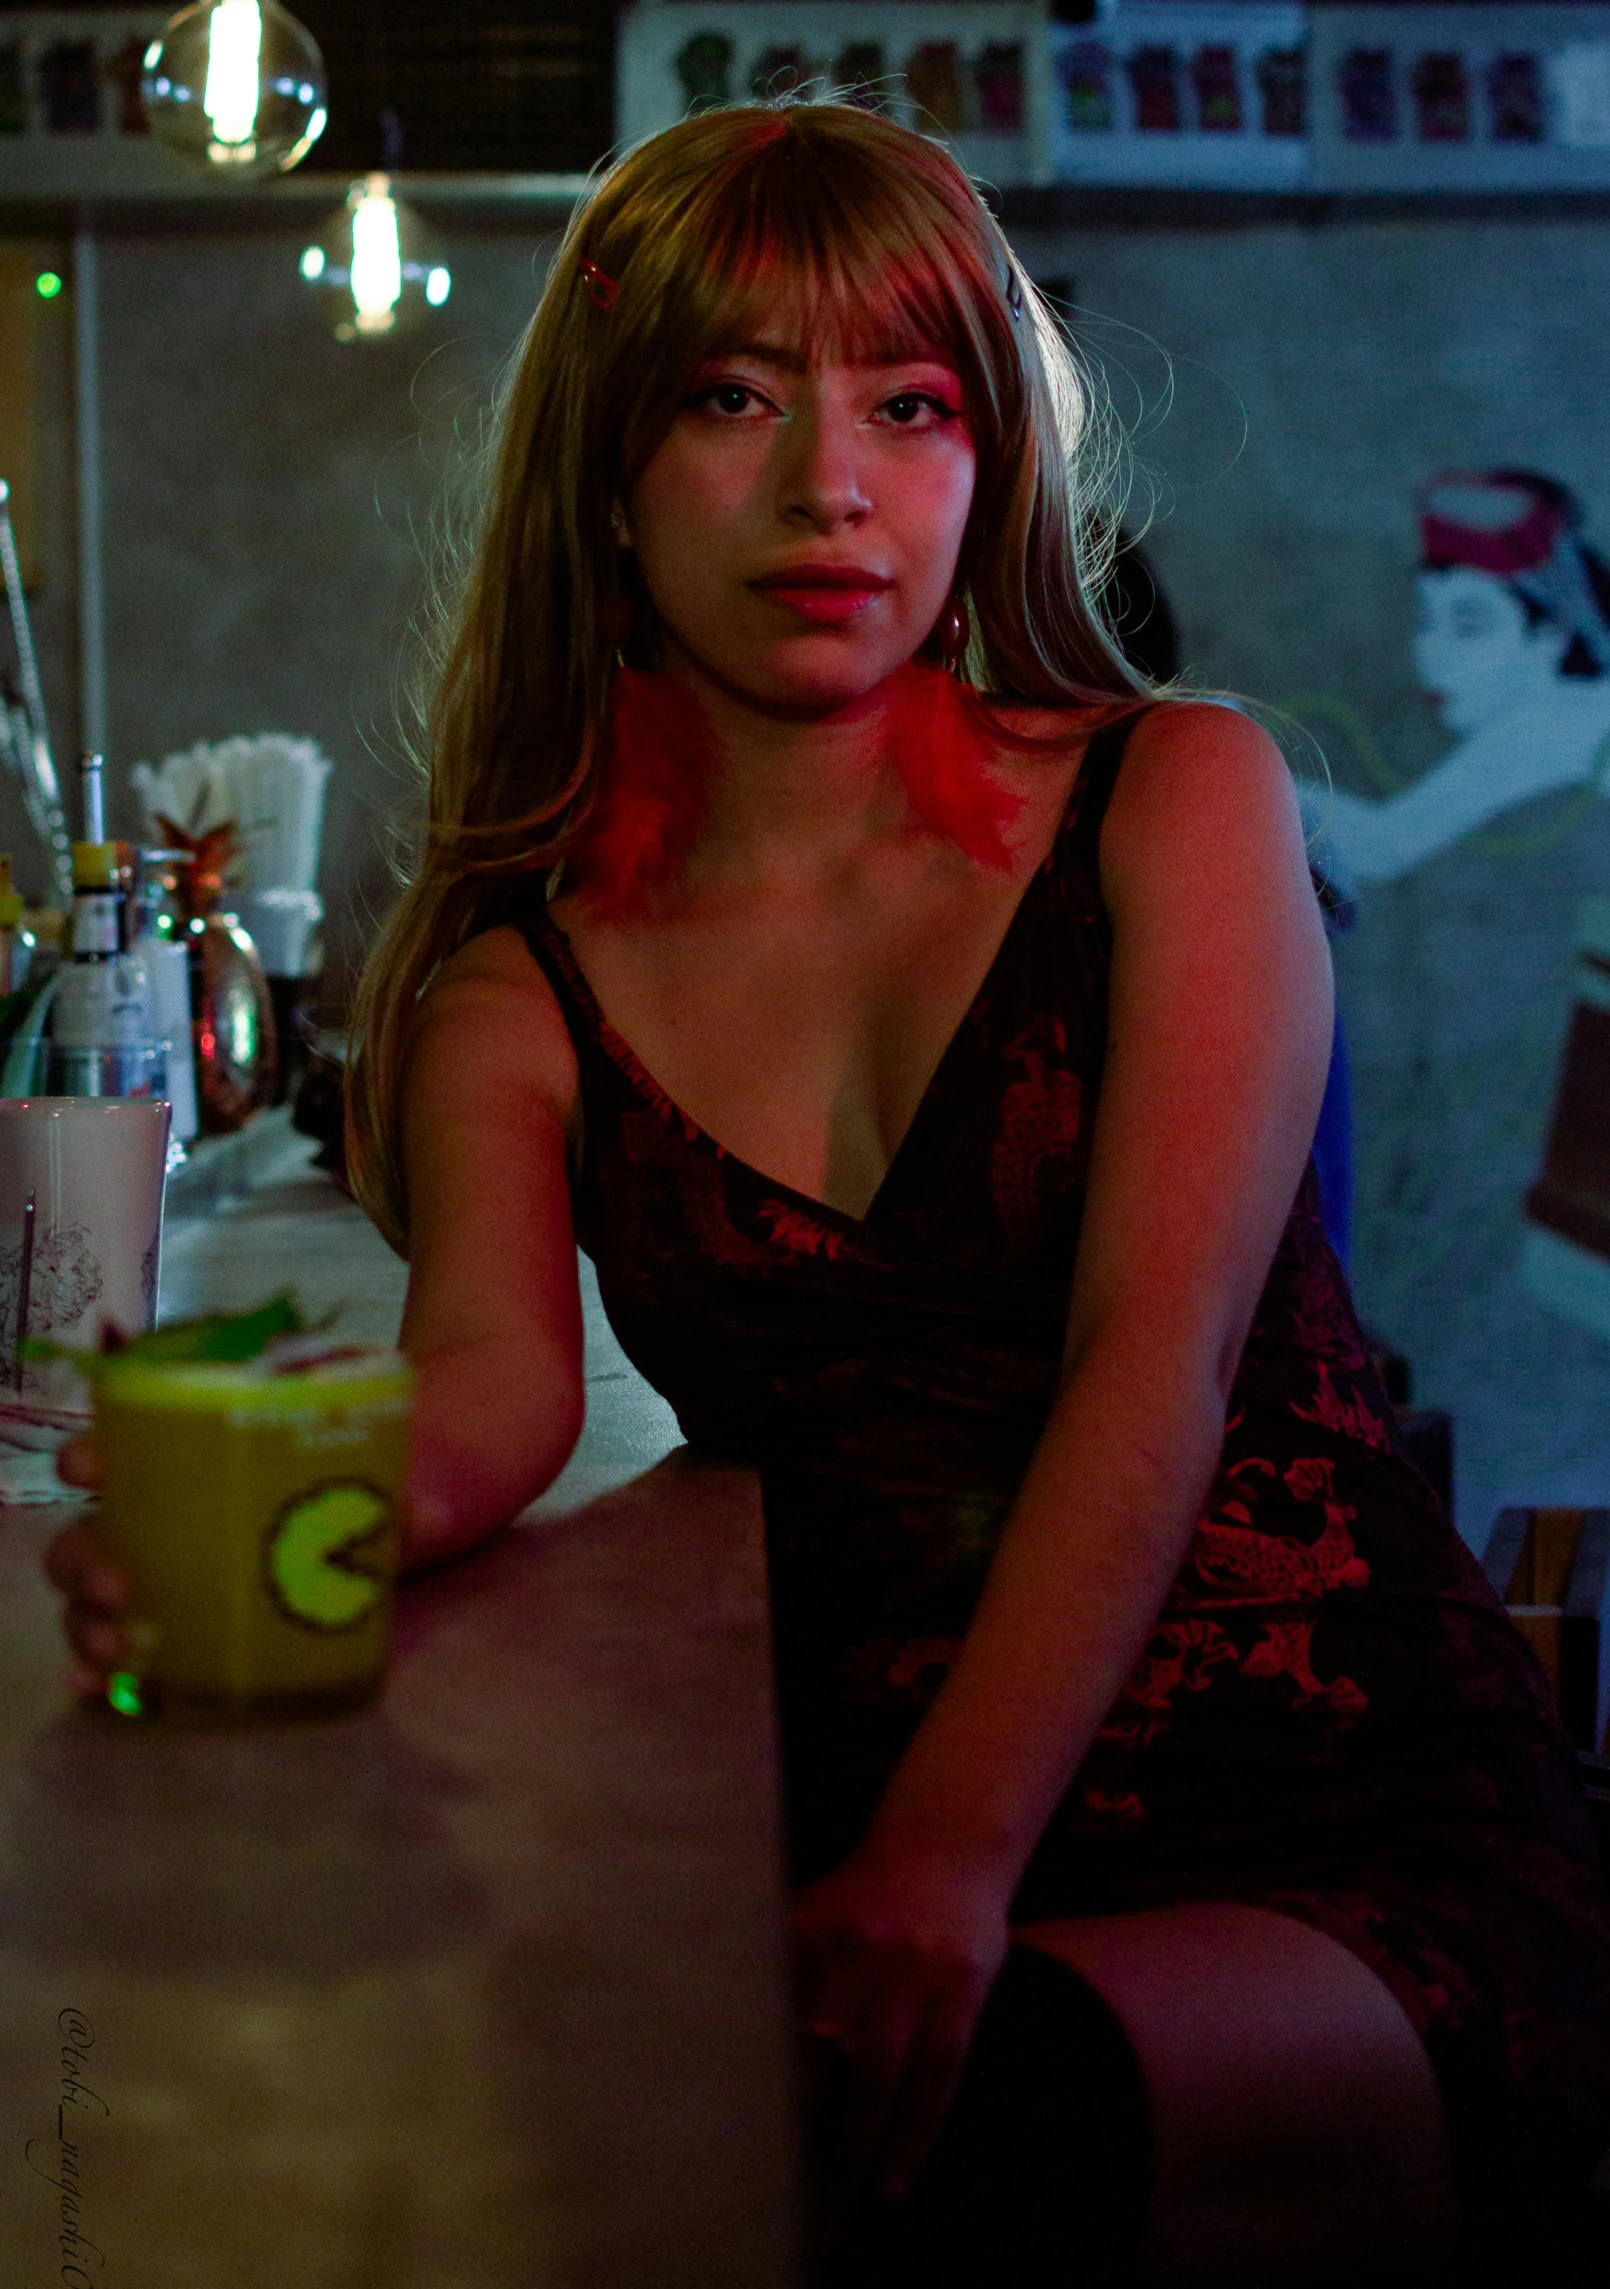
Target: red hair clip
600 286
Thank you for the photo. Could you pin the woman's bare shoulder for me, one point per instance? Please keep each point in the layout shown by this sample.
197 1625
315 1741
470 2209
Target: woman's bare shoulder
1203 786
1201 752
1198 724
491 1009
1169 740
496 968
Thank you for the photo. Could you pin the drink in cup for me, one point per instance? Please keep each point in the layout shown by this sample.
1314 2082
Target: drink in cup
252 1503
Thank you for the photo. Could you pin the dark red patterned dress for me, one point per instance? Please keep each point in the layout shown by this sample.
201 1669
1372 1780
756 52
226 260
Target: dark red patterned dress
1333 1717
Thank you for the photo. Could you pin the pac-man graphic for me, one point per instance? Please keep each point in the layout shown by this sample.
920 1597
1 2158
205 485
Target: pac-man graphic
319 1559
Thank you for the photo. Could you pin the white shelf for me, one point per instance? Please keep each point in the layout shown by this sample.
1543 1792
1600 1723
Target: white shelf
1246 156
1568 44
1200 48
654 73
85 162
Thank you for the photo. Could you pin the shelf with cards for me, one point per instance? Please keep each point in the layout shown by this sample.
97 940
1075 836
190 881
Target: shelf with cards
1455 98
1211 97
969 71
1183 94
1206 102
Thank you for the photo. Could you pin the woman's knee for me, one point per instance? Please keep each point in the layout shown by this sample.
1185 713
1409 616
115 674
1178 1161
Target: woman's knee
1297 2129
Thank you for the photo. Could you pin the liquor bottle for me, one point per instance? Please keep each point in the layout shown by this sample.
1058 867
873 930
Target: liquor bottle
160 935
102 1044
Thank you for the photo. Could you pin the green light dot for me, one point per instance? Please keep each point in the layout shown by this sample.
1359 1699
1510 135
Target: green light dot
123 1691
48 285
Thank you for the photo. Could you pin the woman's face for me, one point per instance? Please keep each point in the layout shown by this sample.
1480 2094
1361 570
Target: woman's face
799 526
1475 651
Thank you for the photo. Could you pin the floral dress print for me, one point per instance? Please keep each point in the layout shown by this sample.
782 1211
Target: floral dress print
1333 1717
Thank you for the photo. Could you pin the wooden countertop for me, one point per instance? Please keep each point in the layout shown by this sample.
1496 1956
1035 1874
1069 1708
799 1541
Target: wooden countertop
482 1989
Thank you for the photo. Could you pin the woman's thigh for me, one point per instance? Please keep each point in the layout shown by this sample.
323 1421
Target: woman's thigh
1299 2132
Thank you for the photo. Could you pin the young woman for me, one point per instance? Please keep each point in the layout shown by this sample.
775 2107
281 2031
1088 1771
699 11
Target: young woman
1190 1871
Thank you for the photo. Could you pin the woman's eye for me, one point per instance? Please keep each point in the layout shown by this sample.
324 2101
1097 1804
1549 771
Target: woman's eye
728 399
916 409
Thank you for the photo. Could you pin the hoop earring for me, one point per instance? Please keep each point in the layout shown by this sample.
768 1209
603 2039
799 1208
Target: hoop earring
955 635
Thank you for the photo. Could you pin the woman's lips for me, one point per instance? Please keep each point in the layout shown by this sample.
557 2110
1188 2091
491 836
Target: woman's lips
831 598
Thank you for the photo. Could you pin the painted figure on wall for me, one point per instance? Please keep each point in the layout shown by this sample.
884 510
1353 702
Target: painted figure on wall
1513 645
1477 1199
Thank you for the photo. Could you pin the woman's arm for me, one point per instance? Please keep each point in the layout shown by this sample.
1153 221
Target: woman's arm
1220 1021
493 1316
1220 1024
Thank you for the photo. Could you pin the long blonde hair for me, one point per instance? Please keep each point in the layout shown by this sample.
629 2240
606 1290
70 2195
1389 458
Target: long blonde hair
849 231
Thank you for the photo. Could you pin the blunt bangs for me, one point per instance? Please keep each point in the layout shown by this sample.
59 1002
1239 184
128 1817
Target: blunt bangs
849 263
800 227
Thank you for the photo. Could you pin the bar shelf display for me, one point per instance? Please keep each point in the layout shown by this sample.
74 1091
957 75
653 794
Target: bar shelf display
971 72
1448 98
1182 94
1230 95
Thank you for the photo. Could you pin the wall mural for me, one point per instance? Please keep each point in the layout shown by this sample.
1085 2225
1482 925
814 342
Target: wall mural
1512 646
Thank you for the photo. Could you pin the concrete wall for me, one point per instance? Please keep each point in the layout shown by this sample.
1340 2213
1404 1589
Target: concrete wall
265 489
268 498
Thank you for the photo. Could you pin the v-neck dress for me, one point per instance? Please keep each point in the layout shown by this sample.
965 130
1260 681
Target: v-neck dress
1333 1717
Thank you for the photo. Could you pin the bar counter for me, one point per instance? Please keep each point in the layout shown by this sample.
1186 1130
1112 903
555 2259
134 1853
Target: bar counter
484 1988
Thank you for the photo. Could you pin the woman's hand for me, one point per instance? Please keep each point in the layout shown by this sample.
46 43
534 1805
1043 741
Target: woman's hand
435 1522
97 1591
894 1955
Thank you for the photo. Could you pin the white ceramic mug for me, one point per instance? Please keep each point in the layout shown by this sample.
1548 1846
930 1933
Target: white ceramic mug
80 1244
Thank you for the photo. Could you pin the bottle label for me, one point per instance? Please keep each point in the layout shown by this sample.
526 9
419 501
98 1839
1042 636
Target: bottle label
102 1005
95 923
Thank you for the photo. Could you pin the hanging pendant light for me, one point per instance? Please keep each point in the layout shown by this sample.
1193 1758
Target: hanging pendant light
376 265
236 88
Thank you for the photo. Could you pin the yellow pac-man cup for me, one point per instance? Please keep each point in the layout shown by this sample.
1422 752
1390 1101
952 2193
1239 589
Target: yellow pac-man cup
252 1504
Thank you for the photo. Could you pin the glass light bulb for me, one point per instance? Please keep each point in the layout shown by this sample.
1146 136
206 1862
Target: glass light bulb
375 264
235 86
376 257
234 53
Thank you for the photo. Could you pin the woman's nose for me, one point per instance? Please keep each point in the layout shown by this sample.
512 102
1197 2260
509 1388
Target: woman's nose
822 481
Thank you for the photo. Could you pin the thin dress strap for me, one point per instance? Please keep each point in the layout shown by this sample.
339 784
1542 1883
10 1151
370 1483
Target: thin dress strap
1098 776
552 952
